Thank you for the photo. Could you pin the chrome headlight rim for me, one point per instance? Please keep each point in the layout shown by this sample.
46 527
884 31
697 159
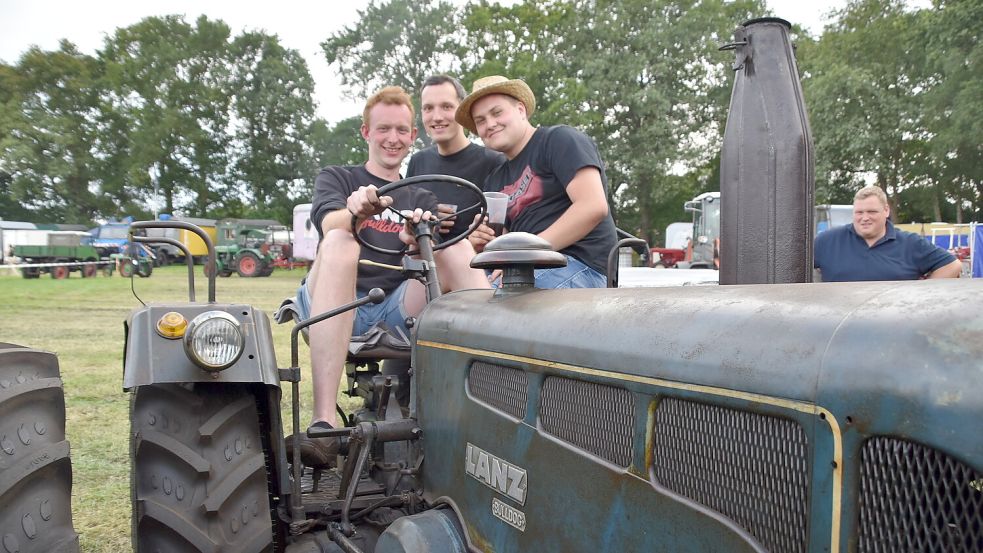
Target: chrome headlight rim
194 327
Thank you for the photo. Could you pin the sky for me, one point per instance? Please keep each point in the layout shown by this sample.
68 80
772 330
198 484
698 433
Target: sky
300 25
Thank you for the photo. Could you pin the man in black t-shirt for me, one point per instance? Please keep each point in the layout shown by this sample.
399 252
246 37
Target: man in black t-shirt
336 276
554 178
452 153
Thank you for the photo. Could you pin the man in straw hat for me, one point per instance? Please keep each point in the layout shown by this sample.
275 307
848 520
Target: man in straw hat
554 178
337 277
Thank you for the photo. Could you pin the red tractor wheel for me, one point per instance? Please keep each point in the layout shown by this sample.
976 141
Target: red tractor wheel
59 272
89 271
248 265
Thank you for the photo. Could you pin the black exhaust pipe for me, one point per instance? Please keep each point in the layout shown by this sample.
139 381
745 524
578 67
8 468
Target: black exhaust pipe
767 168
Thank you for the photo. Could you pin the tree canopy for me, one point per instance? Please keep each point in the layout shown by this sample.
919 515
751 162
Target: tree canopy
177 116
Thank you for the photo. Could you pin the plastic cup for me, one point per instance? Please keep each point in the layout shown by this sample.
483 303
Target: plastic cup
498 204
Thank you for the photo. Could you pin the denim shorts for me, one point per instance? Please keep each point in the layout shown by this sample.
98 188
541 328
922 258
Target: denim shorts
576 274
390 311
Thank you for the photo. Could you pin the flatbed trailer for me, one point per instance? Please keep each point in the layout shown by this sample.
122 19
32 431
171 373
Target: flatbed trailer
61 261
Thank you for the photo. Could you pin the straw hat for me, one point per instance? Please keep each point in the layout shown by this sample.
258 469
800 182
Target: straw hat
496 84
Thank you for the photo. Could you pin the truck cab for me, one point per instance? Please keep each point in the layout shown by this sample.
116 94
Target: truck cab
704 249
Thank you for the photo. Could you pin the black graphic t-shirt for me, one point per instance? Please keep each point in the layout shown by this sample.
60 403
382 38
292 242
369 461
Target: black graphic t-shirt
536 182
473 163
331 190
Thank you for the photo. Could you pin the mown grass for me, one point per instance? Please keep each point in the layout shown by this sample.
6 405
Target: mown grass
81 320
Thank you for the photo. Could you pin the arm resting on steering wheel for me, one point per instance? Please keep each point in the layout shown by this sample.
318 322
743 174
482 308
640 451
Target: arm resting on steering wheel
337 219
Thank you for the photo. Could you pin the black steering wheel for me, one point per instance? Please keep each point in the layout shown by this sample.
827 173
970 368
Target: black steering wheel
479 207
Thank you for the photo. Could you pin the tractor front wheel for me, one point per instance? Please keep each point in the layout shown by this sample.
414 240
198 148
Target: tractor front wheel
126 269
198 471
248 265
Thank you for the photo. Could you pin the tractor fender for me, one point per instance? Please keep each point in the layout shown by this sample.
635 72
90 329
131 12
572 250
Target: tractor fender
149 358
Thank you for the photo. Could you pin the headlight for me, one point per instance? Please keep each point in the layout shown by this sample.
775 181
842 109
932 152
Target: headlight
214 340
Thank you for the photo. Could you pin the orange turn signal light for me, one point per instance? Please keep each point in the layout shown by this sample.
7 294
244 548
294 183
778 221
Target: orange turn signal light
172 325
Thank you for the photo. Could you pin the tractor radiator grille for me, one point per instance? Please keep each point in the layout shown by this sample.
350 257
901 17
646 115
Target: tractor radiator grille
501 387
593 417
914 498
752 468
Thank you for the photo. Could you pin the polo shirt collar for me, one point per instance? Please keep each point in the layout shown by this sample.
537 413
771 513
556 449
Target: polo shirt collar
890 233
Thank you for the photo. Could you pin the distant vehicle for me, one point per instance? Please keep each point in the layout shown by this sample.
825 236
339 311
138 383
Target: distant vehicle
21 233
704 249
250 247
166 254
832 215
65 252
110 238
305 235
678 236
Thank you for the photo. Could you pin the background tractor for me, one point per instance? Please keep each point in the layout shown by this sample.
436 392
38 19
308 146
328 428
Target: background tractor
250 247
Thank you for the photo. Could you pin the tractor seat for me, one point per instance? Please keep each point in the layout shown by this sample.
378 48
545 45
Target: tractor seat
380 342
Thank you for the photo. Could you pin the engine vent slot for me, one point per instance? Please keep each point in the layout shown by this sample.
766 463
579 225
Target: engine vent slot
501 387
915 498
751 468
593 417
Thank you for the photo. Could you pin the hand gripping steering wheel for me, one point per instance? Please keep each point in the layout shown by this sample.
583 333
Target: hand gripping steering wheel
479 206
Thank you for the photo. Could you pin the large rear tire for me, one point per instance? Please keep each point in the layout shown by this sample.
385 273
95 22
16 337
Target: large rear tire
35 469
248 265
198 472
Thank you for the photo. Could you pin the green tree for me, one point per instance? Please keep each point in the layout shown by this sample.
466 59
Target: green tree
953 35
657 88
167 98
272 112
340 144
533 41
397 42
46 134
865 90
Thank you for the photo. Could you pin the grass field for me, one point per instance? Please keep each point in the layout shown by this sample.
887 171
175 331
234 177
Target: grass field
81 320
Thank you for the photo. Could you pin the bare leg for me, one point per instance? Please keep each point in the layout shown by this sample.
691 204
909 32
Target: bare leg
454 269
331 284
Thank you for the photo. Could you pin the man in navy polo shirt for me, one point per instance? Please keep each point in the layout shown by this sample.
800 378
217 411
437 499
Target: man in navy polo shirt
872 249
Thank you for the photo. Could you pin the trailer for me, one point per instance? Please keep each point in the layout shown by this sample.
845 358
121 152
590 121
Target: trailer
63 254
305 237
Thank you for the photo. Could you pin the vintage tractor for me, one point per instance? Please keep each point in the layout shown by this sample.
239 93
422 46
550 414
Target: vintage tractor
770 417
248 247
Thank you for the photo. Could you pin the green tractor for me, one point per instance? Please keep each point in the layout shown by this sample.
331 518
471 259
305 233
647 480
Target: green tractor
249 247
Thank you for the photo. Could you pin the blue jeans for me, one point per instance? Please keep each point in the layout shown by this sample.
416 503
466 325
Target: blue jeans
390 311
576 274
